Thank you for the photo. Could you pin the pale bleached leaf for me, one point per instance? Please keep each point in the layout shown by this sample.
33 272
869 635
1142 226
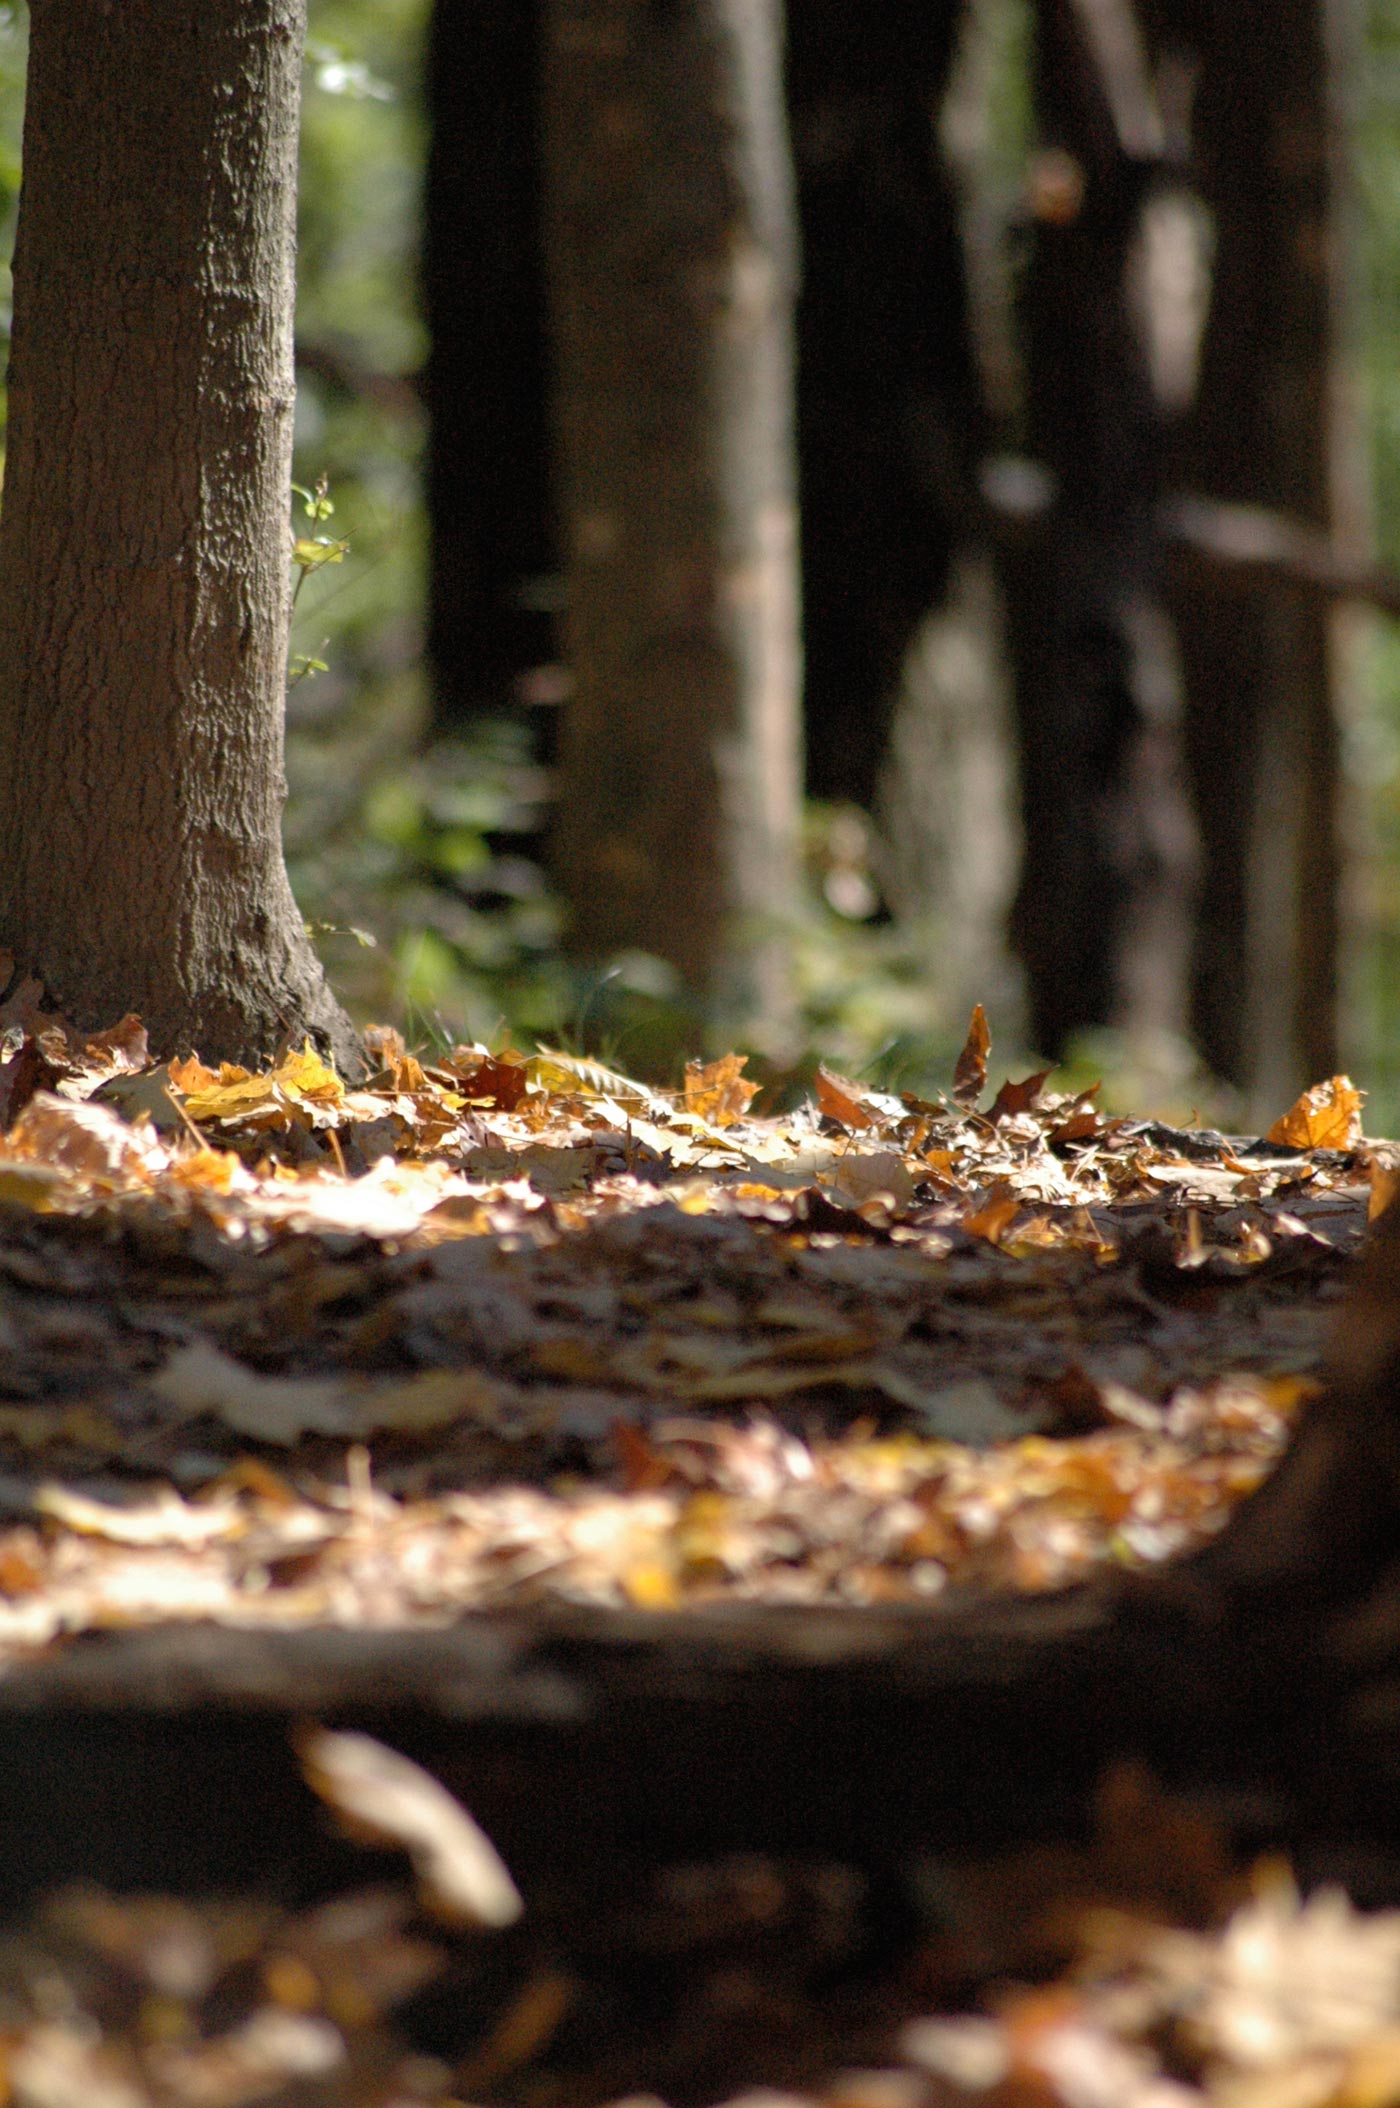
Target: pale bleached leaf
392 1799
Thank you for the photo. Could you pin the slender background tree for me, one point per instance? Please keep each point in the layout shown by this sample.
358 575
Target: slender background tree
672 275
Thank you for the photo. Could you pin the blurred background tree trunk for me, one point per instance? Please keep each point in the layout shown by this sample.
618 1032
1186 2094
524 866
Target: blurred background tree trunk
1136 906
1175 720
889 419
492 553
1261 716
672 269
1102 911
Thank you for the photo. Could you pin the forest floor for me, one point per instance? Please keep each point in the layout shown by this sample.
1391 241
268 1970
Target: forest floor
491 1336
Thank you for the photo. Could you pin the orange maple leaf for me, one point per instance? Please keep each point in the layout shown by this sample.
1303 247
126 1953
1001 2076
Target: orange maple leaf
1328 1116
718 1091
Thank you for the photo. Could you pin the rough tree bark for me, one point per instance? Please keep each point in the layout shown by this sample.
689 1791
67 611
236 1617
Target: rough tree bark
671 271
488 471
144 573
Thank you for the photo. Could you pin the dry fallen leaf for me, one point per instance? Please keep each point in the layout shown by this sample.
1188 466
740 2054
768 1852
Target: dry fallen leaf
1385 1184
996 1214
1287 1978
1328 1116
192 1075
163 1519
519 1280
864 1174
498 1080
718 1091
390 1799
88 1142
1015 1098
970 1075
281 1409
840 1100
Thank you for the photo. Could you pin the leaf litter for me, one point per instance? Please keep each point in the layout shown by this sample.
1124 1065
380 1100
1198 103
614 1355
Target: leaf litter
491 1329
1145 1967
494 1329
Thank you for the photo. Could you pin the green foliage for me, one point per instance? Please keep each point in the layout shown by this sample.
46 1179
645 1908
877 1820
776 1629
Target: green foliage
425 850
358 432
311 553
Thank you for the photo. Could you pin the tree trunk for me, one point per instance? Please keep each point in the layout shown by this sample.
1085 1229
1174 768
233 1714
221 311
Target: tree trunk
1261 728
144 572
1100 919
492 543
671 271
888 421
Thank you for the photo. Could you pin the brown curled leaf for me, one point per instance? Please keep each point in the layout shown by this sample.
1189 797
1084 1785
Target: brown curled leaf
840 1100
1014 1098
970 1075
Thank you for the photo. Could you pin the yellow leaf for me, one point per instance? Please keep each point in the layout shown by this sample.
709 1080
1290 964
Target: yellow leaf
651 1586
37 1186
718 1091
574 1074
306 1076
1326 1117
254 1099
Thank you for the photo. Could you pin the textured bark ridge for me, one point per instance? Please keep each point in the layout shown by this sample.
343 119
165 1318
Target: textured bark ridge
671 265
144 575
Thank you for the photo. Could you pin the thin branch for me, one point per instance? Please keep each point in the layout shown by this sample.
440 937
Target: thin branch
1250 544
1255 543
396 395
1115 45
